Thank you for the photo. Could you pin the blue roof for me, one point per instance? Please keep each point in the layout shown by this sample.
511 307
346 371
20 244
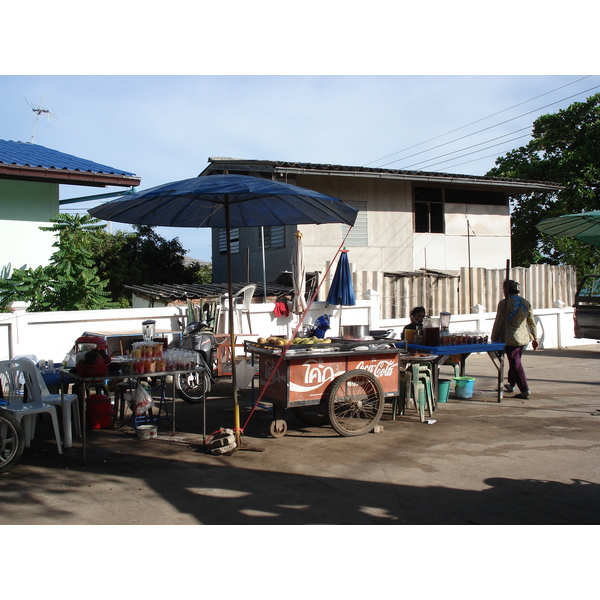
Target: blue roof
31 155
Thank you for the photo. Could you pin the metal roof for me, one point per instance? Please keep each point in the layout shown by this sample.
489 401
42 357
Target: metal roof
24 160
201 291
294 168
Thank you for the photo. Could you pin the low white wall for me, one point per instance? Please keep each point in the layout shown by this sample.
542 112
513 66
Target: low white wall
51 335
554 326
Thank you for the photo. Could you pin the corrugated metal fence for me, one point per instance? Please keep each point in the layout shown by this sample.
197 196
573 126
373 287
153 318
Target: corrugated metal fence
459 291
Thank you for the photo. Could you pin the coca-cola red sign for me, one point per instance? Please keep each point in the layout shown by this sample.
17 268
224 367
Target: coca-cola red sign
302 379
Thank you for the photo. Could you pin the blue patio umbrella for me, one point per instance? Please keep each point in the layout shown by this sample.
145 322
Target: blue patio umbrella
341 291
226 201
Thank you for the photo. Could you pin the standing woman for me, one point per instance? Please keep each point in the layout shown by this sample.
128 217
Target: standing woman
514 313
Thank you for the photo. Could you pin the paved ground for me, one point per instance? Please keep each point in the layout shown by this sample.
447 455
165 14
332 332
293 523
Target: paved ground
481 462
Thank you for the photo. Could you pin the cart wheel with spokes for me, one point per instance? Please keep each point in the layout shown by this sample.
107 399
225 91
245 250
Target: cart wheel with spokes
355 403
278 428
12 441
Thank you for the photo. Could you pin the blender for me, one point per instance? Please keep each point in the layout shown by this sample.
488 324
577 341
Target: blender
148 330
444 327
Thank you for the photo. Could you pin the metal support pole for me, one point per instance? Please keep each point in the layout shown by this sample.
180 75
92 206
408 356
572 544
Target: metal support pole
236 406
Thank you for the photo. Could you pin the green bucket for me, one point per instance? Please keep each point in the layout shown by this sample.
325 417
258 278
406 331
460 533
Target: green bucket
443 390
464 387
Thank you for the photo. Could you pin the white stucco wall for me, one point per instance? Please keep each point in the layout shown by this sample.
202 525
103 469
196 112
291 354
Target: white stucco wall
24 207
51 335
24 244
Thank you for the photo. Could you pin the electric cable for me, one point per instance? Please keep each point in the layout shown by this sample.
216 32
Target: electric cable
490 127
474 152
478 144
482 119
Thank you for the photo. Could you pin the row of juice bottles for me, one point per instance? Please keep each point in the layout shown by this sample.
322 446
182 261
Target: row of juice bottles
175 359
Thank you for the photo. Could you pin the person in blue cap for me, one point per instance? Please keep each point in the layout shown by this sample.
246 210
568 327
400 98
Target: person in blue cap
515 326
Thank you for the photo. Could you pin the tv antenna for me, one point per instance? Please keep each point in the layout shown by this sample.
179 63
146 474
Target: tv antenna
40 110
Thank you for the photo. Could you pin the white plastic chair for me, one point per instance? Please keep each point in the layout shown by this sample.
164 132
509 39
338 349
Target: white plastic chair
69 404
241 306
22 391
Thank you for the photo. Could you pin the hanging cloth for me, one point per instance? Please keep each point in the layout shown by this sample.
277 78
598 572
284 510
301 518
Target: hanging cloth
281 309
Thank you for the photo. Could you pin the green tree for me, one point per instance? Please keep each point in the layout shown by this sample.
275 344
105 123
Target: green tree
76 281
565 149
70 281
26 285
143 257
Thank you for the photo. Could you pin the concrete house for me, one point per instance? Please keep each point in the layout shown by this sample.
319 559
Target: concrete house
30 176
408 220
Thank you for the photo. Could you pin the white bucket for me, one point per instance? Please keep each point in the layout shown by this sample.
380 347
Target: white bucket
146 432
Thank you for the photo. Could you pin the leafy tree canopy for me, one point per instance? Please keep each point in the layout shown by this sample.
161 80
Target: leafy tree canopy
90 267
70 281
144 257
565 149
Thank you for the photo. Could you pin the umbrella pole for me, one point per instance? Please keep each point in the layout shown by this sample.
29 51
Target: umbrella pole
236 406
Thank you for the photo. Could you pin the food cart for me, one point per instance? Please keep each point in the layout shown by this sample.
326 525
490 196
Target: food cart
344 382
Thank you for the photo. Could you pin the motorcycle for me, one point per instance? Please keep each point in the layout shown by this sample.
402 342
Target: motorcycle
193 387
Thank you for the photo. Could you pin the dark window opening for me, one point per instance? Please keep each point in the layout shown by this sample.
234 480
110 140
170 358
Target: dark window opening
475 197
429 210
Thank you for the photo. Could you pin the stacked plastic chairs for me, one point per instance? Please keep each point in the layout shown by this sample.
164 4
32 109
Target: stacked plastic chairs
416 384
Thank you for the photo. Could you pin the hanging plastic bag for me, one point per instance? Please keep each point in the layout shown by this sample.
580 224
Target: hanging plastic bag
141 402
244 373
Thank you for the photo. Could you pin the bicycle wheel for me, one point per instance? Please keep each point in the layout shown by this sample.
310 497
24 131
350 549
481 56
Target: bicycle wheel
12 441
355 403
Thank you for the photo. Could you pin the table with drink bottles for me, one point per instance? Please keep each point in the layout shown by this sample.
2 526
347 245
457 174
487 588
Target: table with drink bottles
128 374
462 350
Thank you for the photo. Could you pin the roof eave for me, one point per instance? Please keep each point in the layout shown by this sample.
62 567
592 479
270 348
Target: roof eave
508 185
39 174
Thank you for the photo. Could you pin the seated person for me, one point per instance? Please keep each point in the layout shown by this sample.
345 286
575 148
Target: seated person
417 315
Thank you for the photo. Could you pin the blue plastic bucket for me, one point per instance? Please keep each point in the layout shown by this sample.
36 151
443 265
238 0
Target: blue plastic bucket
443 390
464 387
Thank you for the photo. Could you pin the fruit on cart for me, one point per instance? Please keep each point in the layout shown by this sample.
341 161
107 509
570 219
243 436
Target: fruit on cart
300 341
297 341
272 341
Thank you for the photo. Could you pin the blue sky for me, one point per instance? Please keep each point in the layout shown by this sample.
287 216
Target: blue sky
164 128
396 100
